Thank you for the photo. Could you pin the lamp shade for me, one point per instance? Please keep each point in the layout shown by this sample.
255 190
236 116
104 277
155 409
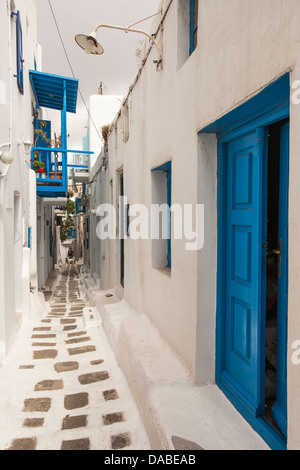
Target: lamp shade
89 43
6 158
27 146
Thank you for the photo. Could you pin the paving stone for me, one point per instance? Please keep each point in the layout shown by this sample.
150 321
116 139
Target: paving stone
45 354
93 377
97 363
49 385
34 423
78 444
26 367
43 336
112 418
33 405
74 422
78 333
120 441
78 340
110 395
66 321
24 444
70 328
66 366
82 350
43 345
75 401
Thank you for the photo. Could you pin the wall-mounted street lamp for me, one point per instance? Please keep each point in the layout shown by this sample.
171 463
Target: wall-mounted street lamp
90 44
6 156
27 145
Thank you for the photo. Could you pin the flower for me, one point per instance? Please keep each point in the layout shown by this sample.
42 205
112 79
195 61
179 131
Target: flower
41 170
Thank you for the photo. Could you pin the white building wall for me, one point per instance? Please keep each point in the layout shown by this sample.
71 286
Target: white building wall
16 124
242 47
103 109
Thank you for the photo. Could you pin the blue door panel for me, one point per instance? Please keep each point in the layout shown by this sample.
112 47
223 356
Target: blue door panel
244 278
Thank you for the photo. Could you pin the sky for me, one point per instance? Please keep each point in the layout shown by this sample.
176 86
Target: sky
116 68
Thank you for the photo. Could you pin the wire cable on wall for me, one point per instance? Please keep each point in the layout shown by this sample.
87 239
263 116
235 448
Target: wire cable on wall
72 70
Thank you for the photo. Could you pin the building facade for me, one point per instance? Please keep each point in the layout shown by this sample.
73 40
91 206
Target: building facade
214 126
19 53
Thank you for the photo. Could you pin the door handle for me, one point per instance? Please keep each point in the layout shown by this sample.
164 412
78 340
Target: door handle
279 253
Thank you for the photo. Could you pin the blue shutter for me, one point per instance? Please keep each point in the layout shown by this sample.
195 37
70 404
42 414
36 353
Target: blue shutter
169 199
20 60
193 25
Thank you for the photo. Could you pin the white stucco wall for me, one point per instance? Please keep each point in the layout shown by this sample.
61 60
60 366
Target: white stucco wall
242 47
103 109
16 124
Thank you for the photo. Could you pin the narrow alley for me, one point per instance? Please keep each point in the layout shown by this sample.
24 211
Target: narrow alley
61 388
149 225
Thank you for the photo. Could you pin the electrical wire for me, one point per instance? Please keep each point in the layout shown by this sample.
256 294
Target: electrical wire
72 70
144 19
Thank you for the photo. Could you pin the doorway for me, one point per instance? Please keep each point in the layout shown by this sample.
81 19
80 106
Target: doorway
122 231
18 253
253 275
277 276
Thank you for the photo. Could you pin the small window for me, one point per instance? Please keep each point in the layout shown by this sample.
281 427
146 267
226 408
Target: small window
193 25
161 215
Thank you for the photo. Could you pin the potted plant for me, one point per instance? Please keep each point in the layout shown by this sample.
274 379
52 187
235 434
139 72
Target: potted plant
56 142
37 165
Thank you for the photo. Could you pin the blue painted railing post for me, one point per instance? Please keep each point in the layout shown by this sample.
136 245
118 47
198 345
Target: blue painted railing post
64 138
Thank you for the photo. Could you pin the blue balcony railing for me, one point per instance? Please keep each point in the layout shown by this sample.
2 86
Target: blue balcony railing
52 179
72 233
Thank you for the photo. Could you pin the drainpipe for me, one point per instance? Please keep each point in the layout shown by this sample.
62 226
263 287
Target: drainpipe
10 74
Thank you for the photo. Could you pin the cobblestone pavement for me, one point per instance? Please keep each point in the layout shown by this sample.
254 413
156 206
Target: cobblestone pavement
61 388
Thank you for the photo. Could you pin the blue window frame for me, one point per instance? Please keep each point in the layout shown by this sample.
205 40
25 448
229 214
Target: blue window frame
193 24
167 169
20 60
29 237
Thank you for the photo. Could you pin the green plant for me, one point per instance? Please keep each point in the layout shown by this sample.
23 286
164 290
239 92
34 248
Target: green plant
54 143
105 130
68 223
38 166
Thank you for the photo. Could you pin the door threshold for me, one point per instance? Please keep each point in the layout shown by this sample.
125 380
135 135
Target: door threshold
267 432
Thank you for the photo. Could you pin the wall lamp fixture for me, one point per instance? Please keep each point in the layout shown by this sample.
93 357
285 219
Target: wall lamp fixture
6 156
90 44
27 145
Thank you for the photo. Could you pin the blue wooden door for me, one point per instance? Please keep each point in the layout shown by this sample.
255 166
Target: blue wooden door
243 362
44 139
279 410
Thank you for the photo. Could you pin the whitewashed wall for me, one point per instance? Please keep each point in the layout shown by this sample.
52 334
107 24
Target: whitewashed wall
242 47
17 205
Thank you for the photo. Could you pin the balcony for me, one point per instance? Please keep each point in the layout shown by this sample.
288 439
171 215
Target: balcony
71 234
51 164
52 182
